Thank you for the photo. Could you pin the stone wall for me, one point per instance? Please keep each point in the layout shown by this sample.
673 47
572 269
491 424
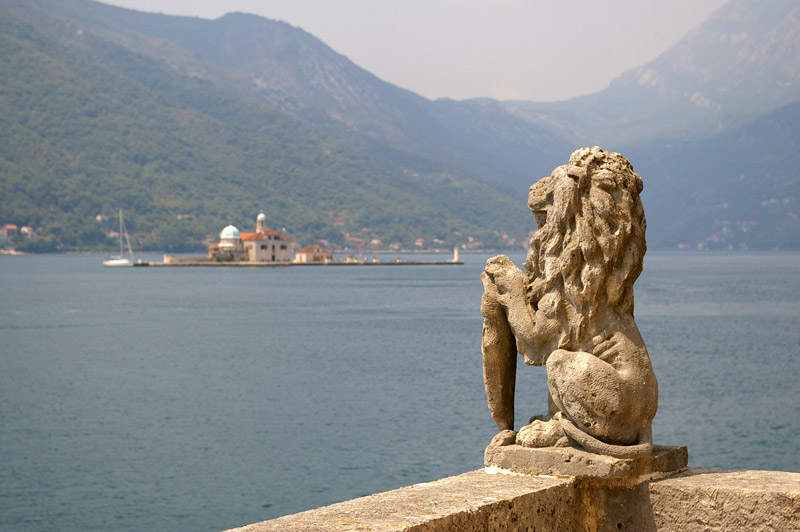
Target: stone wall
695 500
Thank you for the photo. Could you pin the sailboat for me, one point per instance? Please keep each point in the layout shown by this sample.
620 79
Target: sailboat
121 260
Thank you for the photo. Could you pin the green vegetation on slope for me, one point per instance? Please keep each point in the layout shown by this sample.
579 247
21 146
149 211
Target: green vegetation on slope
96 128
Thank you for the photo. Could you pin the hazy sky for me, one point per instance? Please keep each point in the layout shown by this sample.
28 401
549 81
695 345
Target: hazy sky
540 50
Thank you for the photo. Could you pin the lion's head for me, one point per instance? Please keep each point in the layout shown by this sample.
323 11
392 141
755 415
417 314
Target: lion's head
590 243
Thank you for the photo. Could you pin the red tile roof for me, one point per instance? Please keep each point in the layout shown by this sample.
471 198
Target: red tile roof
313 249
262 236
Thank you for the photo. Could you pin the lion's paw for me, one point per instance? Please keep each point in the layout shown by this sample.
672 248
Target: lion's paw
505 275
541 434
503 438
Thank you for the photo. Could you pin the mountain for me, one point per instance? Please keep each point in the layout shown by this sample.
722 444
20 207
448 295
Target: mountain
741 63
228 116
739 189
288 68
712 126
90 126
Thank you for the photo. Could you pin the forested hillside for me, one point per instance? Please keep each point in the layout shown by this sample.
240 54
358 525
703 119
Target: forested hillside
183 158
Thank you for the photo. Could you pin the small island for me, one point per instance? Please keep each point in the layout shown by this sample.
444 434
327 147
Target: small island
267 247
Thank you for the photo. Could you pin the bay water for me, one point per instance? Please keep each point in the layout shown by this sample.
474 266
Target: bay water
200 399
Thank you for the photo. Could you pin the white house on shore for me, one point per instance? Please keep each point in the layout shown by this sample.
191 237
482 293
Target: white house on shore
265 245
313 254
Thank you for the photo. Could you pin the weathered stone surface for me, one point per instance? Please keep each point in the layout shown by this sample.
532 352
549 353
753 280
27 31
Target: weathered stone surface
697 500
708 500
571 309
567 461
474 501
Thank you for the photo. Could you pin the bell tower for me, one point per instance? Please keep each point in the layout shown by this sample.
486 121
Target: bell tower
261 223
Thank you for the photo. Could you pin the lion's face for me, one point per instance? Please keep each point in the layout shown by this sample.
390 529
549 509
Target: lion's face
540 199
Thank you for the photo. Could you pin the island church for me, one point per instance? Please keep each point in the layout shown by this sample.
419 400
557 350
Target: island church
265 245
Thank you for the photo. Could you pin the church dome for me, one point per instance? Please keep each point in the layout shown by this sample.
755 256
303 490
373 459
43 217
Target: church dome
261 217
229 234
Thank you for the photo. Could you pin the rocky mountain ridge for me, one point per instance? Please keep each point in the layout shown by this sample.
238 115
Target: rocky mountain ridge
740 64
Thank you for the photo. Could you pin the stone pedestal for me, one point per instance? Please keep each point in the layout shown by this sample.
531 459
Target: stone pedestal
571 462
612 493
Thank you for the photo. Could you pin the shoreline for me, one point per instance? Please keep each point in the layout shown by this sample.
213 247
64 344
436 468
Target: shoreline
290 264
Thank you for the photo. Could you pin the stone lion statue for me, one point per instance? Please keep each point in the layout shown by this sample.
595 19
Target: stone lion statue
571 309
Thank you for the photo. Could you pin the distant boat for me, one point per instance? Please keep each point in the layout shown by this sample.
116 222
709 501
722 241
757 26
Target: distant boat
120 260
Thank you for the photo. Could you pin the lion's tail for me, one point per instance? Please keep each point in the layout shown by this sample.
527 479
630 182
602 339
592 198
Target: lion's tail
590 443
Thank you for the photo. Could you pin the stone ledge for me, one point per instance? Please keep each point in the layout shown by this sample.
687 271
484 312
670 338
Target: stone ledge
473 501
712 499
571 462
697 500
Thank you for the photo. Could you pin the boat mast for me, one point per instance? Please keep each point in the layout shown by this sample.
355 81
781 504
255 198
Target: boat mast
124 231
120 232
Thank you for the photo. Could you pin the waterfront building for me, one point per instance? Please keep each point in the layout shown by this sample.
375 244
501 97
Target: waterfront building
264 245
8 232
313 254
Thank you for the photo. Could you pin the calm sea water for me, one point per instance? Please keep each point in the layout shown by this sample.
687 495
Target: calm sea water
201 399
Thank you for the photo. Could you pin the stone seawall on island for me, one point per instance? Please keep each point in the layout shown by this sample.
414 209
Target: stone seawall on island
247 264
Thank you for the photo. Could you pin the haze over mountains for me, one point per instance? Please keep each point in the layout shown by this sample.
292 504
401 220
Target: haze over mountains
190 124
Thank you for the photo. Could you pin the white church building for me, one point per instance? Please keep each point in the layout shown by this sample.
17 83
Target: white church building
265 245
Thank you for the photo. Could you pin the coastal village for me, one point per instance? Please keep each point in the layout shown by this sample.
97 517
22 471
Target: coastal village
9 233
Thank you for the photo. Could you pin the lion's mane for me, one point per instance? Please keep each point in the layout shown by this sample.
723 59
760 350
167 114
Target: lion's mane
590 250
